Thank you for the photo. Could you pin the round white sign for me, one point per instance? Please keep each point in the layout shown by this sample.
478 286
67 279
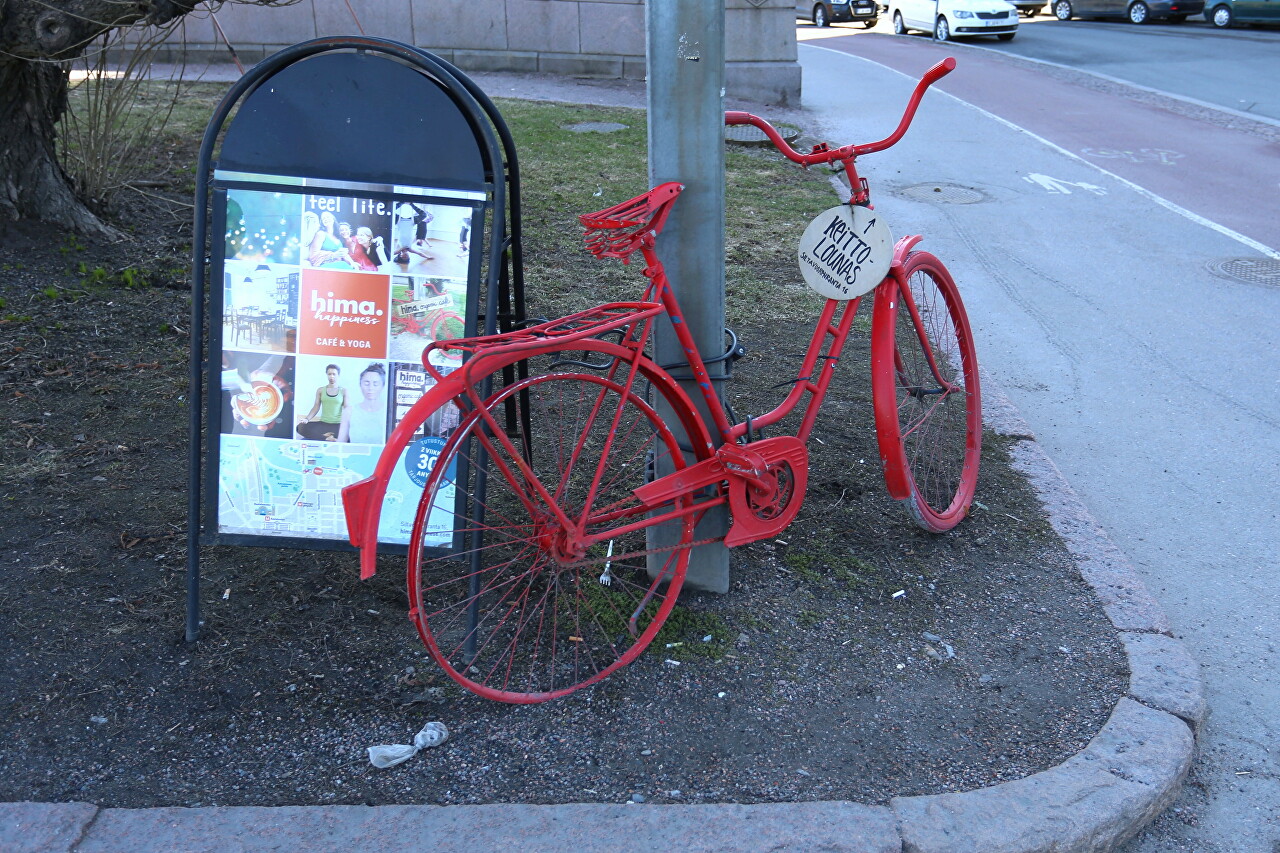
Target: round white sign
845 252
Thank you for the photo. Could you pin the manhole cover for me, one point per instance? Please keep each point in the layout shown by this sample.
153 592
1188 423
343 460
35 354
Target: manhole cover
945 193
595 127
1248 270
749 134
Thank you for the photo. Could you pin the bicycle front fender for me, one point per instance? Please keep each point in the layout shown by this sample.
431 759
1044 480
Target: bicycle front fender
883 318
902 248
362 501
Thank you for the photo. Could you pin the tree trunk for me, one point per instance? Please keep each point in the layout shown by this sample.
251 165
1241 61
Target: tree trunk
36 40
33 96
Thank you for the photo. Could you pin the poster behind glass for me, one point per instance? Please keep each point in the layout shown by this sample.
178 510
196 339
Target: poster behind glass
327 304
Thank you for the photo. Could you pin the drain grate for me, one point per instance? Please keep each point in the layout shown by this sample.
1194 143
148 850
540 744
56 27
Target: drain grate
595 127
945 193
1248 270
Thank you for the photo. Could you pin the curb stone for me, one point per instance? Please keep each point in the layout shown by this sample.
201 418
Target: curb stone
1093 801
1163 675
838 827
42 827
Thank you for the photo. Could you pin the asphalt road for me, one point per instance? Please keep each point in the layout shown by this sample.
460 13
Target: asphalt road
1237 69
1148 378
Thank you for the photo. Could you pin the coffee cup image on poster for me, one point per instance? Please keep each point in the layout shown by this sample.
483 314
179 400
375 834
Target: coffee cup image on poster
311 387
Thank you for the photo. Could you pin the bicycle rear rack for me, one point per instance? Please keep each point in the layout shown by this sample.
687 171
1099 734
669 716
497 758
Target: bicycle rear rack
618 231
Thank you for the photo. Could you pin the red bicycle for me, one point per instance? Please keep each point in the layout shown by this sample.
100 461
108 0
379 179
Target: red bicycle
578 502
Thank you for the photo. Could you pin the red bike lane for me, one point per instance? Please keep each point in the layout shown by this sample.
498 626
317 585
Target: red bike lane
1227 176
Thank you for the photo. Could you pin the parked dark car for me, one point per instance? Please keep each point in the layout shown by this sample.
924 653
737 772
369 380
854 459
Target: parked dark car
1224 13
824 13
1136 11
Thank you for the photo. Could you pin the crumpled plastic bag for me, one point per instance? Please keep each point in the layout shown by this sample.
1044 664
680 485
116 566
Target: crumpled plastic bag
389 755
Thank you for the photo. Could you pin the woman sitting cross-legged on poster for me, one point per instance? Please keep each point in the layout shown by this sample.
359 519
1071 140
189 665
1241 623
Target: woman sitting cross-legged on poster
365 422
331 401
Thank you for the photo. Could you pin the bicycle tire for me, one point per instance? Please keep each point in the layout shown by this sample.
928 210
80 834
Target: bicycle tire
530 619
928 421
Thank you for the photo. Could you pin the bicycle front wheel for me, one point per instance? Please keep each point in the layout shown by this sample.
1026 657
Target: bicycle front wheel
552 588
924 386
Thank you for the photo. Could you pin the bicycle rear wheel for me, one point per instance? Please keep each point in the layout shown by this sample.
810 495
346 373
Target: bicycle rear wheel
550 591
924 386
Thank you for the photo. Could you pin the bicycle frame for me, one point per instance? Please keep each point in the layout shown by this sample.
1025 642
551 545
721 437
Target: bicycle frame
732 454
835 323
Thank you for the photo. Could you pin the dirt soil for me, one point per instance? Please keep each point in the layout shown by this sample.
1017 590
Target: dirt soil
819 682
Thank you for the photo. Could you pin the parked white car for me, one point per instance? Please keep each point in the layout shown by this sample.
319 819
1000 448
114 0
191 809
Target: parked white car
955 18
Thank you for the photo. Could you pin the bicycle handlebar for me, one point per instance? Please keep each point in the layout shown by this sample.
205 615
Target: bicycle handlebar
847 152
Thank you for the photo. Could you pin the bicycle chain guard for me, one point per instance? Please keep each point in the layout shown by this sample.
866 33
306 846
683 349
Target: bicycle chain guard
765 494
767 481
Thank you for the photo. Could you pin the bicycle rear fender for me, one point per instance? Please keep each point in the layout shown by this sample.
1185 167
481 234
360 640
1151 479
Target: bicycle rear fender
362 501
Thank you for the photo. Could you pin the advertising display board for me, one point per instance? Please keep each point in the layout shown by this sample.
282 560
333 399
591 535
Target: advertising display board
328 299
331 246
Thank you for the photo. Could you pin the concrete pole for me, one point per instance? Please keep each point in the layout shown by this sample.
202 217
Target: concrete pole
685 55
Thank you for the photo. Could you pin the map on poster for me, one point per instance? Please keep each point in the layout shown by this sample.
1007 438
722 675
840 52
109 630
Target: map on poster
287 487
327 302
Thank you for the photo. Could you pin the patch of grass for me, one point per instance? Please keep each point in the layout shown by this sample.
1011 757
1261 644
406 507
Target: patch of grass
690 628
679 638
92 277
853 571
802 564
98 278
809 618
755 623
820 567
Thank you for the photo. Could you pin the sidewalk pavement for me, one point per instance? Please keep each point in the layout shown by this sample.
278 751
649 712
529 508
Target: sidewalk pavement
1093 801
